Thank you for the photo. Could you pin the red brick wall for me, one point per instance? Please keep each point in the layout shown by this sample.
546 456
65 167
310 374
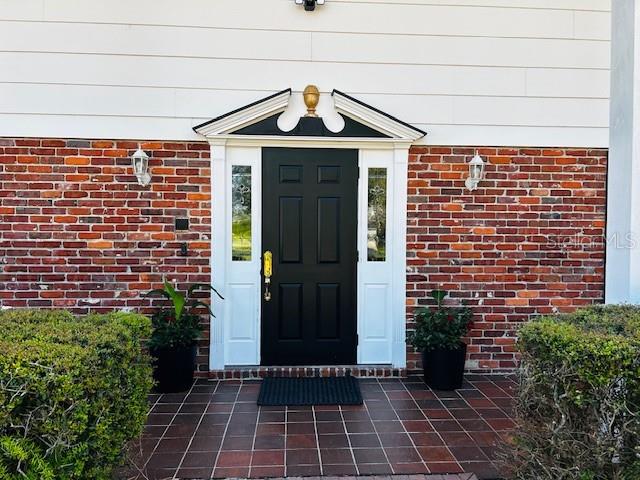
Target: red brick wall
529 241
78 232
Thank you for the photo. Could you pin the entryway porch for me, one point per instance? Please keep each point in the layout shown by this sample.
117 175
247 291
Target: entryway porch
216 430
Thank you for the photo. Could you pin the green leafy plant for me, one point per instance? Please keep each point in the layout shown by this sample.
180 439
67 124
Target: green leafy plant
73 392
577 407
441 326
178 326
23 455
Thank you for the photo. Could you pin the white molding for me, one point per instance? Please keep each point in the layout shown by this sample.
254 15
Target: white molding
358 111
218 253
392 152
311 142
225 272
375 119
246 116
399 273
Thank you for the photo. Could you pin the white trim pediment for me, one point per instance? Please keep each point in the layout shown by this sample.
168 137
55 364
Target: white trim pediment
247 115
374 118
391 129
237 138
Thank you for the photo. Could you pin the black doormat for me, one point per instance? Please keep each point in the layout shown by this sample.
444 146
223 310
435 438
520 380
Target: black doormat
286 391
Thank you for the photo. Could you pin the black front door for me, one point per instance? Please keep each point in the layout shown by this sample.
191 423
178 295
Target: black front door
309 223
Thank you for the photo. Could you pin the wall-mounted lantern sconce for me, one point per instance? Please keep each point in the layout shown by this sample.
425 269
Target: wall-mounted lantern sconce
140 162
309 5
476 172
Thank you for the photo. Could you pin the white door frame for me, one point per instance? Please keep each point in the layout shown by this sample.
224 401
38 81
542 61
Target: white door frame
381 289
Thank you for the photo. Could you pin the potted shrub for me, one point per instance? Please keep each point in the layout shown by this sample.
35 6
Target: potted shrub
175 333
438 335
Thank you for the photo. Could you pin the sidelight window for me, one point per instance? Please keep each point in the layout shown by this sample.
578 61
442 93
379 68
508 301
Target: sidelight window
377 214
241 213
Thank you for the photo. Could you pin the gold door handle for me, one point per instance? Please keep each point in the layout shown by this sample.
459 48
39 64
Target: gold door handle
267 271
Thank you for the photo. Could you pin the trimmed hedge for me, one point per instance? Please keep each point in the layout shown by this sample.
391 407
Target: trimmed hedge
73 392
578 405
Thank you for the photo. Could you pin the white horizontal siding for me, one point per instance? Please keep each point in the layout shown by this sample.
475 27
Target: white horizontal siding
455 50
544 82
153 40
390 17
98 127
500 72
81 126
145 40
597 5
266 75
169 103
594 25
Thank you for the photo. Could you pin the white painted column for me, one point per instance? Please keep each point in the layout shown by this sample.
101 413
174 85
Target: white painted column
218 253
399 295
623 205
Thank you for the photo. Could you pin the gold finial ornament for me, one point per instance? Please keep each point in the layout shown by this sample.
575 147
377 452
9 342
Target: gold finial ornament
311 96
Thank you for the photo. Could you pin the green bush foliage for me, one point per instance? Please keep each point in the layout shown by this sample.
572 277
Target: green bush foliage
73 392
577 409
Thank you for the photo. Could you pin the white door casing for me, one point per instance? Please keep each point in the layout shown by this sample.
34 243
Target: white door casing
381 289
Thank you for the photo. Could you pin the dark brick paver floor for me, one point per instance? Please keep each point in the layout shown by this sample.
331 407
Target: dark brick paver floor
216 430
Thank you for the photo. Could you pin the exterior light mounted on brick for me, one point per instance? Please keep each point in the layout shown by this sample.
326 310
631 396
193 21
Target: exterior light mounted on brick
140 162
476 172
309 5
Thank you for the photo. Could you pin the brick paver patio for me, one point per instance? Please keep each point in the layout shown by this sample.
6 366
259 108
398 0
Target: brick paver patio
216 430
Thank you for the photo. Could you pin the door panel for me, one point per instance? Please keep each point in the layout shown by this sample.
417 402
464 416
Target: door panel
328 295
329 230
290 311
309 222
290 221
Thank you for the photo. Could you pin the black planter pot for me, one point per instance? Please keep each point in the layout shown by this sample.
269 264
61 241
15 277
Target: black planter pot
444 368
173 368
